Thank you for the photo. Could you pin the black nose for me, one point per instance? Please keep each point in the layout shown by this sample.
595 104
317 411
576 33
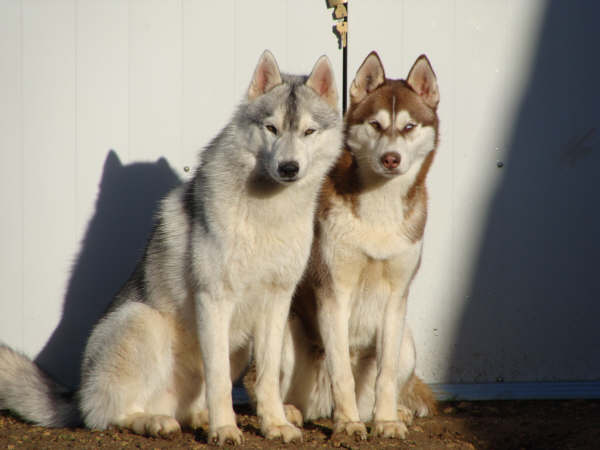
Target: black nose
288 169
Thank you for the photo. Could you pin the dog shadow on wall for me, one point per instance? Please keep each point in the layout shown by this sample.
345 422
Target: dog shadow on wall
534 300
114 241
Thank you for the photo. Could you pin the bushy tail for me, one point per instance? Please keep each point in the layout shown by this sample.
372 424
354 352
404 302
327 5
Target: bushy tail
418 398
27 391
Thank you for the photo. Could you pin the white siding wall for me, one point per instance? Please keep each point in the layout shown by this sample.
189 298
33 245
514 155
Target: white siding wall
103 103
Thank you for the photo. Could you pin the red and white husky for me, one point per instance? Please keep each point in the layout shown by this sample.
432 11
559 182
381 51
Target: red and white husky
347 348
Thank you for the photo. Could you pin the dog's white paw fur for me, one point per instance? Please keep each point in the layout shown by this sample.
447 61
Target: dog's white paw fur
390 429
199 420
293 415
405 414
152 425
228 434
356 429
287 433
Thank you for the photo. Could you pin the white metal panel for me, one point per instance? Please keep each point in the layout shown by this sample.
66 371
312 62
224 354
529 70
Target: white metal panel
493 47
117 97
104 103
155 80
101 126
208 73
296 33
475 142
11 175
102 95
256 29
48 154
533 295
309 34
222 42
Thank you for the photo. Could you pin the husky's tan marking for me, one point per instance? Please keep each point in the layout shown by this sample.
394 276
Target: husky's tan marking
343 182
415 211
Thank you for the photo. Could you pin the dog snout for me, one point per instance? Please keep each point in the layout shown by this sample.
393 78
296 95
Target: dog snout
390 160
288 170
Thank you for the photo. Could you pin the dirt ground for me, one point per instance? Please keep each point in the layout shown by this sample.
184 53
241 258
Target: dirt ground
546 424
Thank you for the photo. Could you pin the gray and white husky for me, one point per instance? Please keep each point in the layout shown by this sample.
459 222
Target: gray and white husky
216 280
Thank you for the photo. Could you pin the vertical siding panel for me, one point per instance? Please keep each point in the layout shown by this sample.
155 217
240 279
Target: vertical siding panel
258 25
155 80
494 45
49 158
208 73
428 27
152 78
216 76
11 174
477 27
375 27
309 35
102 95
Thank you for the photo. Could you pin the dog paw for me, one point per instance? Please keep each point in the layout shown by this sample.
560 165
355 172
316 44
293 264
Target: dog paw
229 434
405 414
199 419
356 429
293 415
157 426
390 429
423 410
287 433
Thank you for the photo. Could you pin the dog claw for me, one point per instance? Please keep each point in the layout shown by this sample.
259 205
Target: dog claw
229 434
287 433
356 429
153 425
390 429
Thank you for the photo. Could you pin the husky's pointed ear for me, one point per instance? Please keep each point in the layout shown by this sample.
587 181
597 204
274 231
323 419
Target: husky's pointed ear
422 79
370 76
322 81
266 76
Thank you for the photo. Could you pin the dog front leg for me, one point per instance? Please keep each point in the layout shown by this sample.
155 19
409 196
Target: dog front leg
334 314
214 318
389 340
268 342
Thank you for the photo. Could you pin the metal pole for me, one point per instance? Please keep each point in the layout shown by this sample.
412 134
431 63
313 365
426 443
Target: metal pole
345 67
341 30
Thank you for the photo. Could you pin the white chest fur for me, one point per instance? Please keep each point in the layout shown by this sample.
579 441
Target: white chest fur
270 240
370 256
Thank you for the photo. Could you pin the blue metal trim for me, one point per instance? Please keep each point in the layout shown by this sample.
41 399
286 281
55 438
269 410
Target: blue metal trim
517 391
496 391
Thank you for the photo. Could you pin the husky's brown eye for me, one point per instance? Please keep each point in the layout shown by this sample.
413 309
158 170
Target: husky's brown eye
409 126
272 129
376 125
309 131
